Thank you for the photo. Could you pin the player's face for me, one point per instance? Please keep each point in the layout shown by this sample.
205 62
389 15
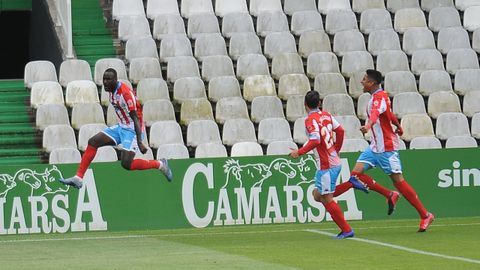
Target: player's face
109 81
366 83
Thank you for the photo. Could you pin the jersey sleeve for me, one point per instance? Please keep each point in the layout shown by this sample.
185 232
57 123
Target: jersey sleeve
129 99
313 129
379 106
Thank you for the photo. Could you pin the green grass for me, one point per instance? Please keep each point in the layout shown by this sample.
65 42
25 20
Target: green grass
289 246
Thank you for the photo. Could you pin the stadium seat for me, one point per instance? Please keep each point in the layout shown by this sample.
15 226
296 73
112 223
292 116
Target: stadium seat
418 38
306 21
443 17
172 151
244 43
112 118
148 155
175 45
104 63
127 8
238 130
416 125
408 103
168 24
81 92
433 81
383 40
471 18
231 108
189 8
425 143
340 20
286 63
355 88
266 107
201 24
354 145
237 23
195 109
452 38
152 88
443 101
72 70
429 59
451 124
133 27
140 47
375 19
270 22
209 45
105 154
458 59
86 132
258 85
182 66
225 7
157 110
428 5
339 104
252 64
276 43
46 92
396 5
260 6
325 6
322 62
273 129
476 40
165 132
467 80
188 88
144 67
157 8
202 131
348 41
64 156
104 96
221 87
407 18
353 62
293 6
471 103
210 150
246 149
464 4
216 66
299 131
315 41
87 113
388 61
281 147
330 83
295 107
37 71
58 136
362 104
351 124
476 125
293 84
400 82
51 114
461 142
360 6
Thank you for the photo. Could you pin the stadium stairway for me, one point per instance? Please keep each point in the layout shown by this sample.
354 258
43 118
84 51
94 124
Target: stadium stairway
19 141
92 40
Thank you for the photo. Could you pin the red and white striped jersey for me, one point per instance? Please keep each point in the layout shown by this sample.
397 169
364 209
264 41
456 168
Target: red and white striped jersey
384 137
320 126
124 101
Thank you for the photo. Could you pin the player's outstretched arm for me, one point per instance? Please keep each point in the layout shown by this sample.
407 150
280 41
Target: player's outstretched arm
138 131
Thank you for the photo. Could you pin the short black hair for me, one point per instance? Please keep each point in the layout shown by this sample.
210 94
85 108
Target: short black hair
312 99
375 76
113 71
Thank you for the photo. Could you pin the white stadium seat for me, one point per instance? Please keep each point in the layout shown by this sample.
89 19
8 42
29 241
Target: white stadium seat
152 88
286 63
238 130
339 104
375 19
452 38
252 64
451 124
188 88
295 107
104 63
161 7
244 43
86 132
351 124
140 47
127 8
388 61
476 125
46 92
416 125
266 107
428 59
72 70
461 142
168 24
281 147
325 6
202 131
188 8
354 145
172 151
210 150
159 136
87 113
217 66
237 23
407 18
293 6
37 71
443 17
64 156
360 6
175 45
181 67
330 83
231 108
471 103
418 38
195 109
400 82
157 110
273 129
81 92
201 24
425 143
340 20
396 5
293 84
428 5
58 136
306 21
299 131
441 102
311 42
209 45
144 67
322 62
353 62
467 80
281 42
225 7
471 18
408 103
348 41
245 149
105 154
269 22
383 40
458 59
258 85
132 27
51 114
225 86
433 81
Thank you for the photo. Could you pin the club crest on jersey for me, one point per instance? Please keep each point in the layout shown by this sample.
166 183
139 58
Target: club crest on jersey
130 103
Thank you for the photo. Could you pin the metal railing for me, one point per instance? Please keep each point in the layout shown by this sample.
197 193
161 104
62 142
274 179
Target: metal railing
64 20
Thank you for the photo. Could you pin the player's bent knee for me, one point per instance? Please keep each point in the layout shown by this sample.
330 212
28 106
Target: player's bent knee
127 164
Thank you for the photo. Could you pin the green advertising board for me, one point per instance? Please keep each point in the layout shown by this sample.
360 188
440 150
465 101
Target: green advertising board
223 192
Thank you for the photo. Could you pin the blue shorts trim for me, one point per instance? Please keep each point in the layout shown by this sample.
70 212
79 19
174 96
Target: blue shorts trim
388 161
124 136
325 180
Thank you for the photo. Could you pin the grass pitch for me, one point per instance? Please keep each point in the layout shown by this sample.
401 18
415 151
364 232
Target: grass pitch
450 243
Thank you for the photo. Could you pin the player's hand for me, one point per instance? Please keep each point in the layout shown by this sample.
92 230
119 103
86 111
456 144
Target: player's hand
294 152
143 149
399 131
364 129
